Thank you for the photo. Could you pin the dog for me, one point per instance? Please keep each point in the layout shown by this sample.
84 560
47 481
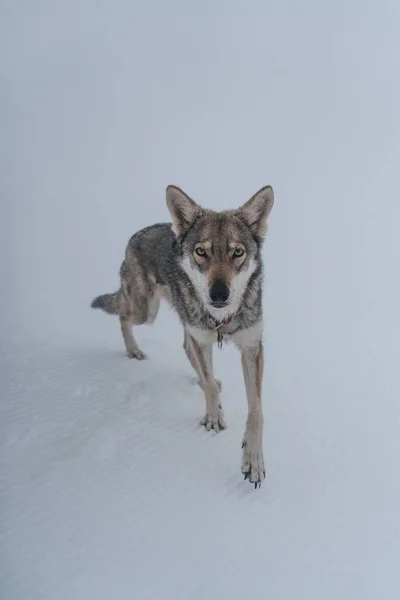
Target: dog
208 266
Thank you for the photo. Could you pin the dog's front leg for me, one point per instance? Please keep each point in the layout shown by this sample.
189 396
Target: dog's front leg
187 345
253 459
202 354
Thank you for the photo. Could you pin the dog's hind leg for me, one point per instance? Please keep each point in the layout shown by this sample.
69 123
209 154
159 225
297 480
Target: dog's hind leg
141 303
132 348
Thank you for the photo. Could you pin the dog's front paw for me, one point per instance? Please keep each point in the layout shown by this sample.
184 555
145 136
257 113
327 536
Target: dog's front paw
253 464
214 421
138 354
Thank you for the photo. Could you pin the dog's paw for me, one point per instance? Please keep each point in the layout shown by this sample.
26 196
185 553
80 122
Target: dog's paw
138 354
253 467
214 421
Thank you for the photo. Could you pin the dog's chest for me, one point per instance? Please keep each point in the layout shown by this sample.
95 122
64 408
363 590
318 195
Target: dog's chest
203 336
241 337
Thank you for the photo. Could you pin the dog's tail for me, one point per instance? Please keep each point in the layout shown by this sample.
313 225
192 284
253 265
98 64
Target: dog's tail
110 303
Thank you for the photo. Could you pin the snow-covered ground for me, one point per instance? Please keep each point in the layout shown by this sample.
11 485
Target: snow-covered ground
109 487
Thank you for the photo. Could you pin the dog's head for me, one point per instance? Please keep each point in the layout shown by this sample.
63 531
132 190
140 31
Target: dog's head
220 250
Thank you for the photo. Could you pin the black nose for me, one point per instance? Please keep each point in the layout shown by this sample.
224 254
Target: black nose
219 292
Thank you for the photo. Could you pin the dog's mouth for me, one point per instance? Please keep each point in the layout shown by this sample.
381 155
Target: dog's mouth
219 304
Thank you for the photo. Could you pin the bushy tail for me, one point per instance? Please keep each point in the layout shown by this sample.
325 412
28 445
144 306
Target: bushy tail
110 303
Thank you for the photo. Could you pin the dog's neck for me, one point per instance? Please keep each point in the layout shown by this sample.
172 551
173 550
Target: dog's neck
221 315
218 326
223 320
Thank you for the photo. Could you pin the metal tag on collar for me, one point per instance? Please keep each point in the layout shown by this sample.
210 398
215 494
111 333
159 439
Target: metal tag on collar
218 329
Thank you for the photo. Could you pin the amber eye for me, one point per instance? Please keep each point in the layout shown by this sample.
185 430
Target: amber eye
200 251
238 252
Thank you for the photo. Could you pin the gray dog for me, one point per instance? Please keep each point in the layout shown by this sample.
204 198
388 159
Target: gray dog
208 266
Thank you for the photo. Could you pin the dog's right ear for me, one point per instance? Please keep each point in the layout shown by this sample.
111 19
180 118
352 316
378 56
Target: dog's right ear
182 208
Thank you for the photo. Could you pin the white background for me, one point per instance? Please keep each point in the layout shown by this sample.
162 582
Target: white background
109 489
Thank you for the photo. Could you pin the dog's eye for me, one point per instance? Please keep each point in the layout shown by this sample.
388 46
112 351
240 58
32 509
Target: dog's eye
238 252
200 251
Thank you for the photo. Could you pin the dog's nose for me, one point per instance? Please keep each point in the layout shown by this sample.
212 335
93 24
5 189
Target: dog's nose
219 292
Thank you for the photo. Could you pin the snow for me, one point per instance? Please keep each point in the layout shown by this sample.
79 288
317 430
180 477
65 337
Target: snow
109 487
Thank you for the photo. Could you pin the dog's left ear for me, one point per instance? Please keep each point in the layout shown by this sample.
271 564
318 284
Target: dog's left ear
182 208
256 211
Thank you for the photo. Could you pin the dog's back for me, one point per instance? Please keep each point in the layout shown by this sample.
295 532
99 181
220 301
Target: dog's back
146 254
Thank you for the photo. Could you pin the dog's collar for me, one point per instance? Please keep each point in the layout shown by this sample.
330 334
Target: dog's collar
220 324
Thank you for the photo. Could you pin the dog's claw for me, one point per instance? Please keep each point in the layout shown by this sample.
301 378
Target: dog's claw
138 354
257 484
216 423
253 463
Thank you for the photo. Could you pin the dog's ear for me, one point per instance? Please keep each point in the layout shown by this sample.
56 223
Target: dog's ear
182 208
256 210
